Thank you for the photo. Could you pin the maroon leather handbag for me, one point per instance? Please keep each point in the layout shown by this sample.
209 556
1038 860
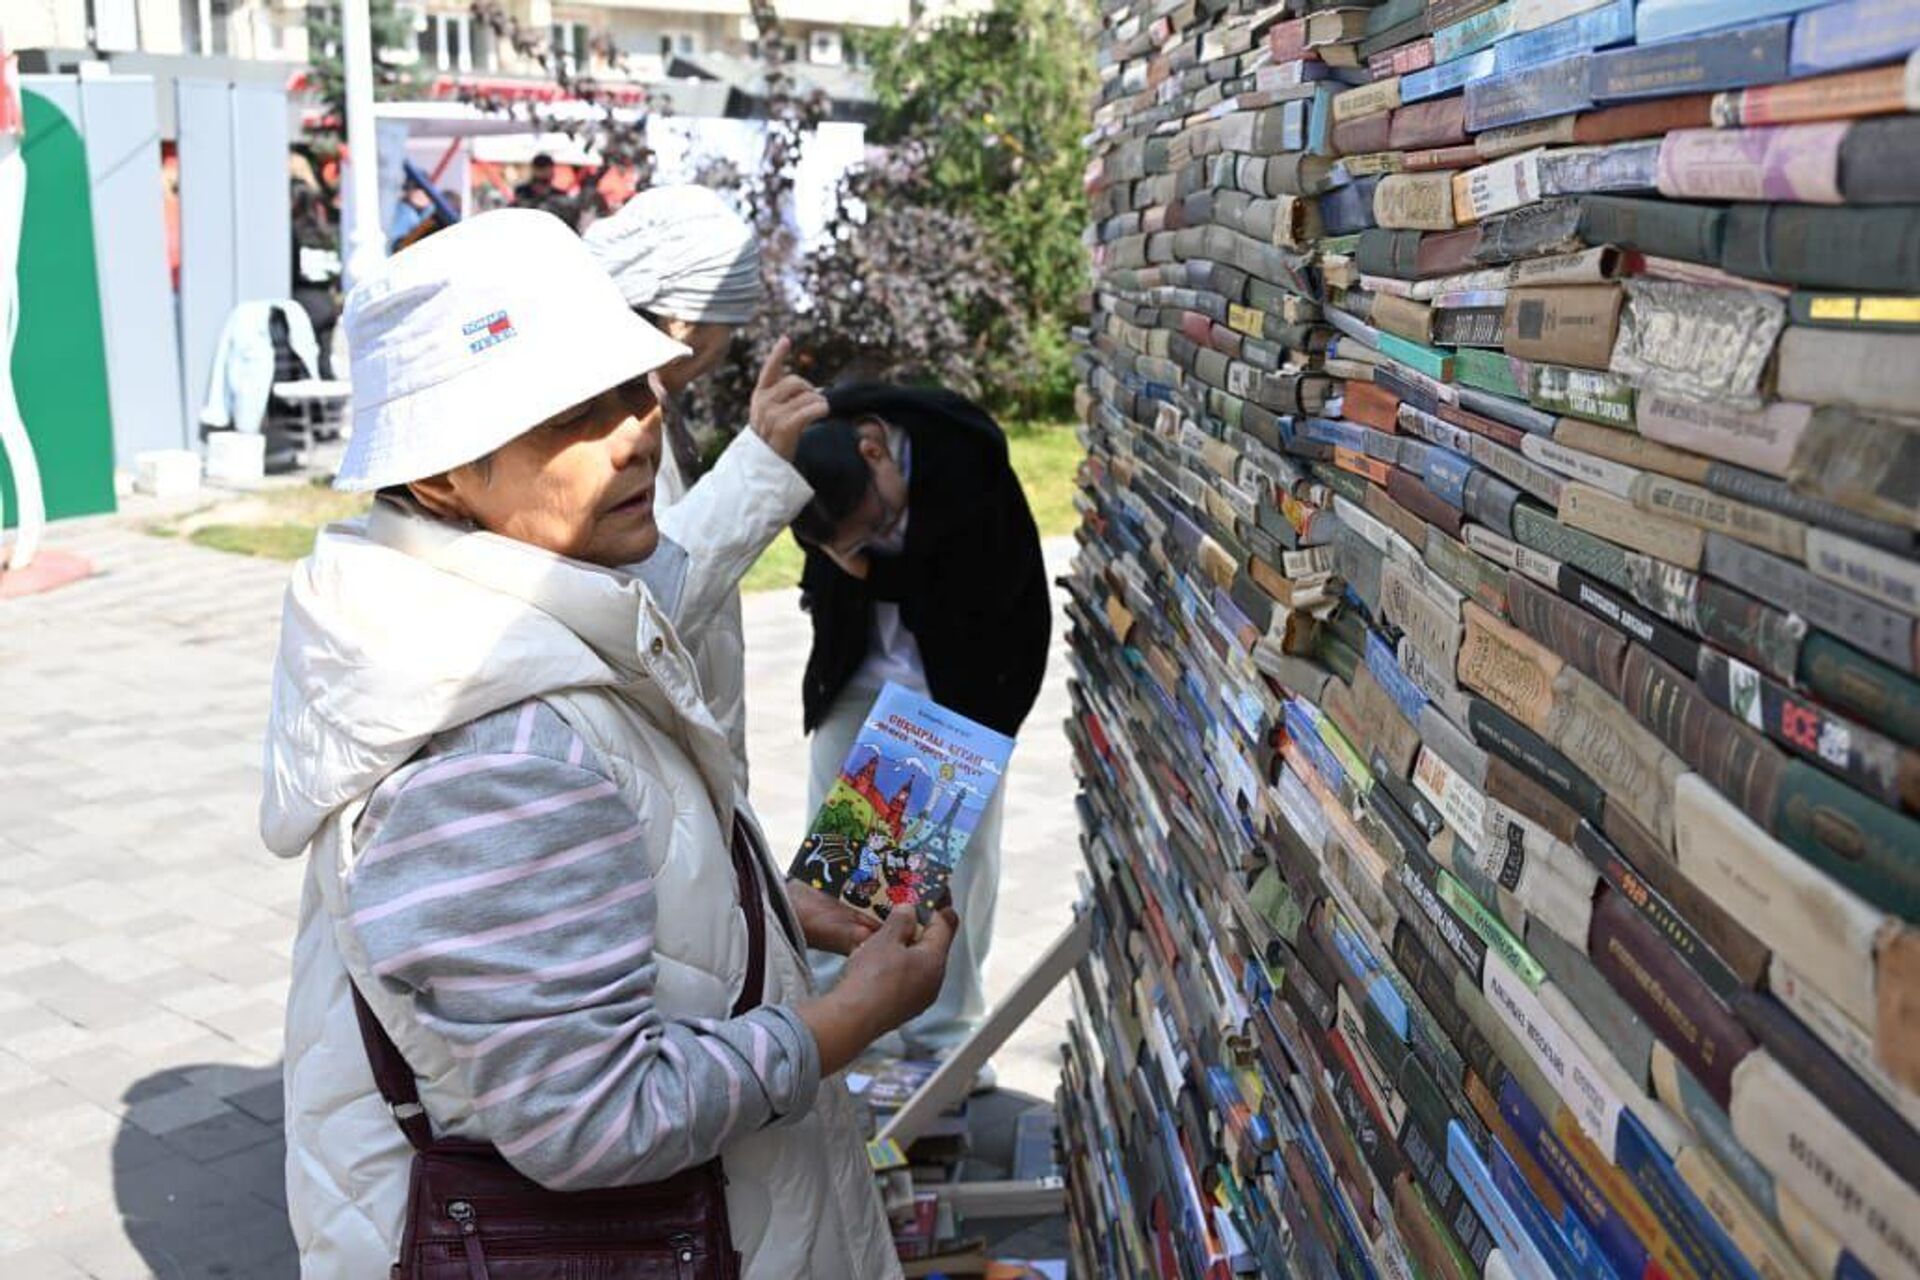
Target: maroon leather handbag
473 1216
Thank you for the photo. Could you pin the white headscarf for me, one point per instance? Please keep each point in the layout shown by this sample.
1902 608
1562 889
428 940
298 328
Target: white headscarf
681 252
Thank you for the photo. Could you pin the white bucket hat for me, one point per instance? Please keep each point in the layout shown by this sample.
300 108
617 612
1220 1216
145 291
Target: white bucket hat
478 334
681 251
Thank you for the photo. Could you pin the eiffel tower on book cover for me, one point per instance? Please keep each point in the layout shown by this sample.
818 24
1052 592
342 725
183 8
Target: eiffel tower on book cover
909 795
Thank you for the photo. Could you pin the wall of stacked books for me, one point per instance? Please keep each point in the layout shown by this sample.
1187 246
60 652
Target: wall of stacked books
1495 639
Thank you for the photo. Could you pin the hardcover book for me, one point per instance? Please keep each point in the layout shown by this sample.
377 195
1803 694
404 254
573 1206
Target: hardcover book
899 817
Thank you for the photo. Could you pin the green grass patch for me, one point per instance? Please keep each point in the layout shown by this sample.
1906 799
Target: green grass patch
280 524
269 541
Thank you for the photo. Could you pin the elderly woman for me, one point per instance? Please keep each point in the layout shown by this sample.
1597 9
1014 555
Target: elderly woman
690 266
527 860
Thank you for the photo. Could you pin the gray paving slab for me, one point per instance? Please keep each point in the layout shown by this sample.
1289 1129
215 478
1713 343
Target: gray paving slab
145 934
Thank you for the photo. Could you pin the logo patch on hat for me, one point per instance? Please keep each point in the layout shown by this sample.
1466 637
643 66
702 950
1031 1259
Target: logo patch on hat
488 331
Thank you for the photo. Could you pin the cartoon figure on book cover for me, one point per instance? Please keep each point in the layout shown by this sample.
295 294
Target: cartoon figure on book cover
908 798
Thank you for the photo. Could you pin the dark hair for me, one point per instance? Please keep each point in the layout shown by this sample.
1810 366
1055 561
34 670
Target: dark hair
542 160
829 458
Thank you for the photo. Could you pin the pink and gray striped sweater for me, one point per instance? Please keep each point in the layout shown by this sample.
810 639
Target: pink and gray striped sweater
498 884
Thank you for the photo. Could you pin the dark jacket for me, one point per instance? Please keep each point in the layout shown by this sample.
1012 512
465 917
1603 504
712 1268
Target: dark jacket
969 579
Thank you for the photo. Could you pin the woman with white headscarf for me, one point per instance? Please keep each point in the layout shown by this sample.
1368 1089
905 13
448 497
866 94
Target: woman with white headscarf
690 266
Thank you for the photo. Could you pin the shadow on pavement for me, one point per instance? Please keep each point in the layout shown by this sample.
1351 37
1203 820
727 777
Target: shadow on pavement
198 1174
199 1181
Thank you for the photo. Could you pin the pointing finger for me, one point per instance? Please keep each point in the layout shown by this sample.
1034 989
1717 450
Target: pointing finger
775 365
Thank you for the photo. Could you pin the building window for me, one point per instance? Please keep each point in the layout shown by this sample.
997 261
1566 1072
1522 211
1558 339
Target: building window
825 48
446 42
570 47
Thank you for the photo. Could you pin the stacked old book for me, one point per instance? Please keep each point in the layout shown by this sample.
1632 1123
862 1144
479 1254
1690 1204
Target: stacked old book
1497 679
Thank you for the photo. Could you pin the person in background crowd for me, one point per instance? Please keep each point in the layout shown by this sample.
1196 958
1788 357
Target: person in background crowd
690 266
923 567
525 850
316 267
413 208
539 192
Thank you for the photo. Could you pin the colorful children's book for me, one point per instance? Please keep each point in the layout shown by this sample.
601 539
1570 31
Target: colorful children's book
909 796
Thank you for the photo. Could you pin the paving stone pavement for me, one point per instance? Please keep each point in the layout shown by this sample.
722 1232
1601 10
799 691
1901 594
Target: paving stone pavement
145 932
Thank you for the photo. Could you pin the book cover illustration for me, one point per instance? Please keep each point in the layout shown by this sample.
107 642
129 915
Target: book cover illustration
909 795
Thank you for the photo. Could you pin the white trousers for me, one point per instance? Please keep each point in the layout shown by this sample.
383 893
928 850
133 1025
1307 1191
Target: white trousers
962 1001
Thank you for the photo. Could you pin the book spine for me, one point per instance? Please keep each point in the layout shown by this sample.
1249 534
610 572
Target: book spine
1765 440
1567 631
1663 495
1732 59
1415 201
1634 767
1498 187
1690 232
1429 125
1648 119
1882 1129
1892 580
1586 1201
1866 464
1810 1152
1799 163
1680 1008
1866 760
1858 248
1623 523
1837 97
1884 633
1854 34
1532 93
1780 497
1859 842
1854 683
1611 23
1369 99
1691 1227
1573 324
1785 901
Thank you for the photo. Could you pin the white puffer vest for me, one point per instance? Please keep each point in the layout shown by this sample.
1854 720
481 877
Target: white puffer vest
405 627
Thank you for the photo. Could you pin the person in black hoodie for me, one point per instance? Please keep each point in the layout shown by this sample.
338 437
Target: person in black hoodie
923 567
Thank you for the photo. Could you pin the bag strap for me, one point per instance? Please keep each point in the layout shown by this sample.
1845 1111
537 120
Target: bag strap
401 1091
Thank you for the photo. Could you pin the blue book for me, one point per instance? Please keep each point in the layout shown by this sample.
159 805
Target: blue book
1446 474
1386 669
1732 59
1586 1202
1475 32
908 798
1669 19
1445 77
1476 1181
1610 24
1563 1253
1535 93
1692 1228
1320 119
1857 33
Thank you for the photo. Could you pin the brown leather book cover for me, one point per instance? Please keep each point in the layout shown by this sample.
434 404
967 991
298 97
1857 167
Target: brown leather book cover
1421 1229
1683 1013
1510 786
1568 630
1731 940
1644 119
1563 324
1445 253
1371 405
1461 156
1437 122
1492 429
1382 505
1410 492
1741 764
1358 137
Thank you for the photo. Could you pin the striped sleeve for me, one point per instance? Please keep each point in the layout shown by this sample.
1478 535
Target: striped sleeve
500 885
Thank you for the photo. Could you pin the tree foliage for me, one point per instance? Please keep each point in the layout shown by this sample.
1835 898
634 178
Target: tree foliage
391 29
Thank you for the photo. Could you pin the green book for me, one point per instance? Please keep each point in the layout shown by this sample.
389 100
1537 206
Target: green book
1490 371
1431 361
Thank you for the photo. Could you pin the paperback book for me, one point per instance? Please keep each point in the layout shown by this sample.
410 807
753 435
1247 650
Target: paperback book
899 817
